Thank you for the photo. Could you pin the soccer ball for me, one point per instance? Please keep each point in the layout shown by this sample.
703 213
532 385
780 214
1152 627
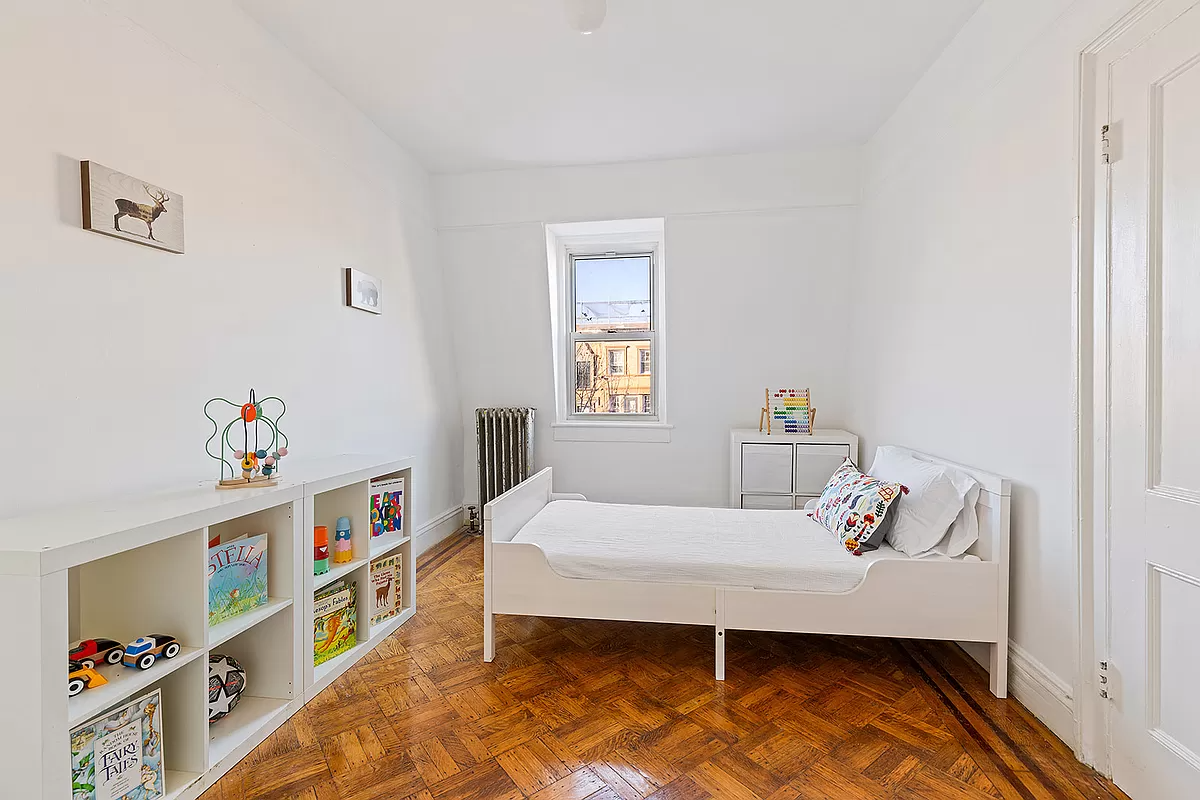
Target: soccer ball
226 682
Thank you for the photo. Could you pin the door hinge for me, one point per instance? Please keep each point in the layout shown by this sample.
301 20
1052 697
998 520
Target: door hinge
1102 680
1105 146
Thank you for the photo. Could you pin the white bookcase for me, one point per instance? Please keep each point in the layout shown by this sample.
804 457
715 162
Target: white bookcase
125 568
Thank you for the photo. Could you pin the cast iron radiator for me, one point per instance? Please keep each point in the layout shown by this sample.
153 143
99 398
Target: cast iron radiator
505 437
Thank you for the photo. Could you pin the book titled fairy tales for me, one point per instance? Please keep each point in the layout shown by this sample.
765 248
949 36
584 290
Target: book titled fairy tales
237 577
120 756
335 620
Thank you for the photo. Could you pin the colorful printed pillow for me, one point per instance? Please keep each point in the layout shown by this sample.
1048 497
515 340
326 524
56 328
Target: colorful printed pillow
857 508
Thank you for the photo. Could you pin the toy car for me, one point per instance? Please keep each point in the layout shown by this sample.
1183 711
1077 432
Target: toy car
144 651
80 677
91 652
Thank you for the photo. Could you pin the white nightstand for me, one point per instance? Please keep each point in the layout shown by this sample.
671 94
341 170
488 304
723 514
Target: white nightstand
784 471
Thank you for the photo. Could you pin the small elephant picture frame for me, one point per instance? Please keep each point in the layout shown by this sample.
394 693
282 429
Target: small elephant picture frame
363 291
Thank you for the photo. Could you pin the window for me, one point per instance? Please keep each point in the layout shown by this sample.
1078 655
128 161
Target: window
616 361
583 373
607 319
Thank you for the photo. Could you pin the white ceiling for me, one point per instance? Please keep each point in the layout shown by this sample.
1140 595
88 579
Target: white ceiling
486 84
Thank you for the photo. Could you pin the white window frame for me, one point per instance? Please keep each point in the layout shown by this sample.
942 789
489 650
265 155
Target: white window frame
640 237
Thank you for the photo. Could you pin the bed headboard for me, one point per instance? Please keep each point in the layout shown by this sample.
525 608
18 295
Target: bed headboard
992 509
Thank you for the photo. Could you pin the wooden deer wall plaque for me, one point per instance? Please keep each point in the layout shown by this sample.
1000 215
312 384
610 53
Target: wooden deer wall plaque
122 206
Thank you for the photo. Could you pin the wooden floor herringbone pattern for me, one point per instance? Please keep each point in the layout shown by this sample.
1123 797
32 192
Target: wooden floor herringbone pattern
613 711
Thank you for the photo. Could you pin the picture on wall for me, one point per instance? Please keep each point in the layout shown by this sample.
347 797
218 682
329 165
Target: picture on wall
120 205
363 291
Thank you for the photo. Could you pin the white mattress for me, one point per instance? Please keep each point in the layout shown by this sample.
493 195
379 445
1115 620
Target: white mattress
726 547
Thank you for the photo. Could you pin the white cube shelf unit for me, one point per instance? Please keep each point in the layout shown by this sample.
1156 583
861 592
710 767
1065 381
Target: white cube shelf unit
125 568
784 471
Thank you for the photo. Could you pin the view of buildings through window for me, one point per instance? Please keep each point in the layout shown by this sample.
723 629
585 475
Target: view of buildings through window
613 335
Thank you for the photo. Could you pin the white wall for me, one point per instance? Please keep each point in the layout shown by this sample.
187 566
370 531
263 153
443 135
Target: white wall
759 250
109 349
966 274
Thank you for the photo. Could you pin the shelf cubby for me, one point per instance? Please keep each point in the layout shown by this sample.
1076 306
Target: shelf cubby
266 652
123 683
141 591
185 711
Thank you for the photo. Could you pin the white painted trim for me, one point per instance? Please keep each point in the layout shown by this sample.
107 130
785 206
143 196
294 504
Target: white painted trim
438 528
1090 478
1047 696
612 432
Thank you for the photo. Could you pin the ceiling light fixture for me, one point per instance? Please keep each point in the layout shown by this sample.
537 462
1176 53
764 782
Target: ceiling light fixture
586 16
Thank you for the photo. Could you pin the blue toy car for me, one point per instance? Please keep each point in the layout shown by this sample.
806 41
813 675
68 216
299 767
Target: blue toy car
144 651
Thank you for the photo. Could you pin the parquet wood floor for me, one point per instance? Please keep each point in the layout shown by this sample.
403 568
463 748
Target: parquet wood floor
613 711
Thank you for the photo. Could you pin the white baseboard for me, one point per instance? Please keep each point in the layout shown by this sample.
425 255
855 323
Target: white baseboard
437 529
1047 696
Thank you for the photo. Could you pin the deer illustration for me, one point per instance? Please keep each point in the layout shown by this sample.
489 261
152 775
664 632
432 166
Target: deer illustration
381 593
147 214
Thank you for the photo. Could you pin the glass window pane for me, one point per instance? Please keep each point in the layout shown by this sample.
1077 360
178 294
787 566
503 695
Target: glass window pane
604 384
612 294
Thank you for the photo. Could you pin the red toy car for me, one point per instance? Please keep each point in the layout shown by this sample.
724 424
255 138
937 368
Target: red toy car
91 652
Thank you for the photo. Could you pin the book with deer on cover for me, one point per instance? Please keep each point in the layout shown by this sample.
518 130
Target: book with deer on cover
125 207
386 583
119 756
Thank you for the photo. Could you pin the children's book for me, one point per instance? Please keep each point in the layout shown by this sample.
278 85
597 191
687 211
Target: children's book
335 618
386 576
387 506
237 577
119 756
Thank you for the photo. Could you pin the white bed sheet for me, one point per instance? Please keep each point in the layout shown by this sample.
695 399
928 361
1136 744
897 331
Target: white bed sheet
783 550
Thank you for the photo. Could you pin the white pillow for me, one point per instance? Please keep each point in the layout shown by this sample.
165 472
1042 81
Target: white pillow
933 501
964 532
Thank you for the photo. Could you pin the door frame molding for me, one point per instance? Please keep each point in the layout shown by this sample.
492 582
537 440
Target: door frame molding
1090 318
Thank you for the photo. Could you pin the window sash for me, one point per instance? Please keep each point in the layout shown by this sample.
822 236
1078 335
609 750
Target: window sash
573 258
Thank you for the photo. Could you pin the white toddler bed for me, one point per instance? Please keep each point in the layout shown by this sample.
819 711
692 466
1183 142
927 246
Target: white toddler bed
557 555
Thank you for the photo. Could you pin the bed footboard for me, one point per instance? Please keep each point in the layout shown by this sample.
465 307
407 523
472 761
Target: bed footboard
503 518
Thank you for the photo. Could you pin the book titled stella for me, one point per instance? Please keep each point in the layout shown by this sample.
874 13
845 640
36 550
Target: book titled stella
237 577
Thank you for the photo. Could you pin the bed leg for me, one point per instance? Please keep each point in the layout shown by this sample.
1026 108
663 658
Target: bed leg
720 634
489 637
999 669
720 654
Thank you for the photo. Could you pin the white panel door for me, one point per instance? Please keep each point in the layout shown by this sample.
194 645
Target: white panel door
1154 560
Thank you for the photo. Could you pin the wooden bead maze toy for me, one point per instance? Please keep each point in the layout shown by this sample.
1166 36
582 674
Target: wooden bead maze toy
253 463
